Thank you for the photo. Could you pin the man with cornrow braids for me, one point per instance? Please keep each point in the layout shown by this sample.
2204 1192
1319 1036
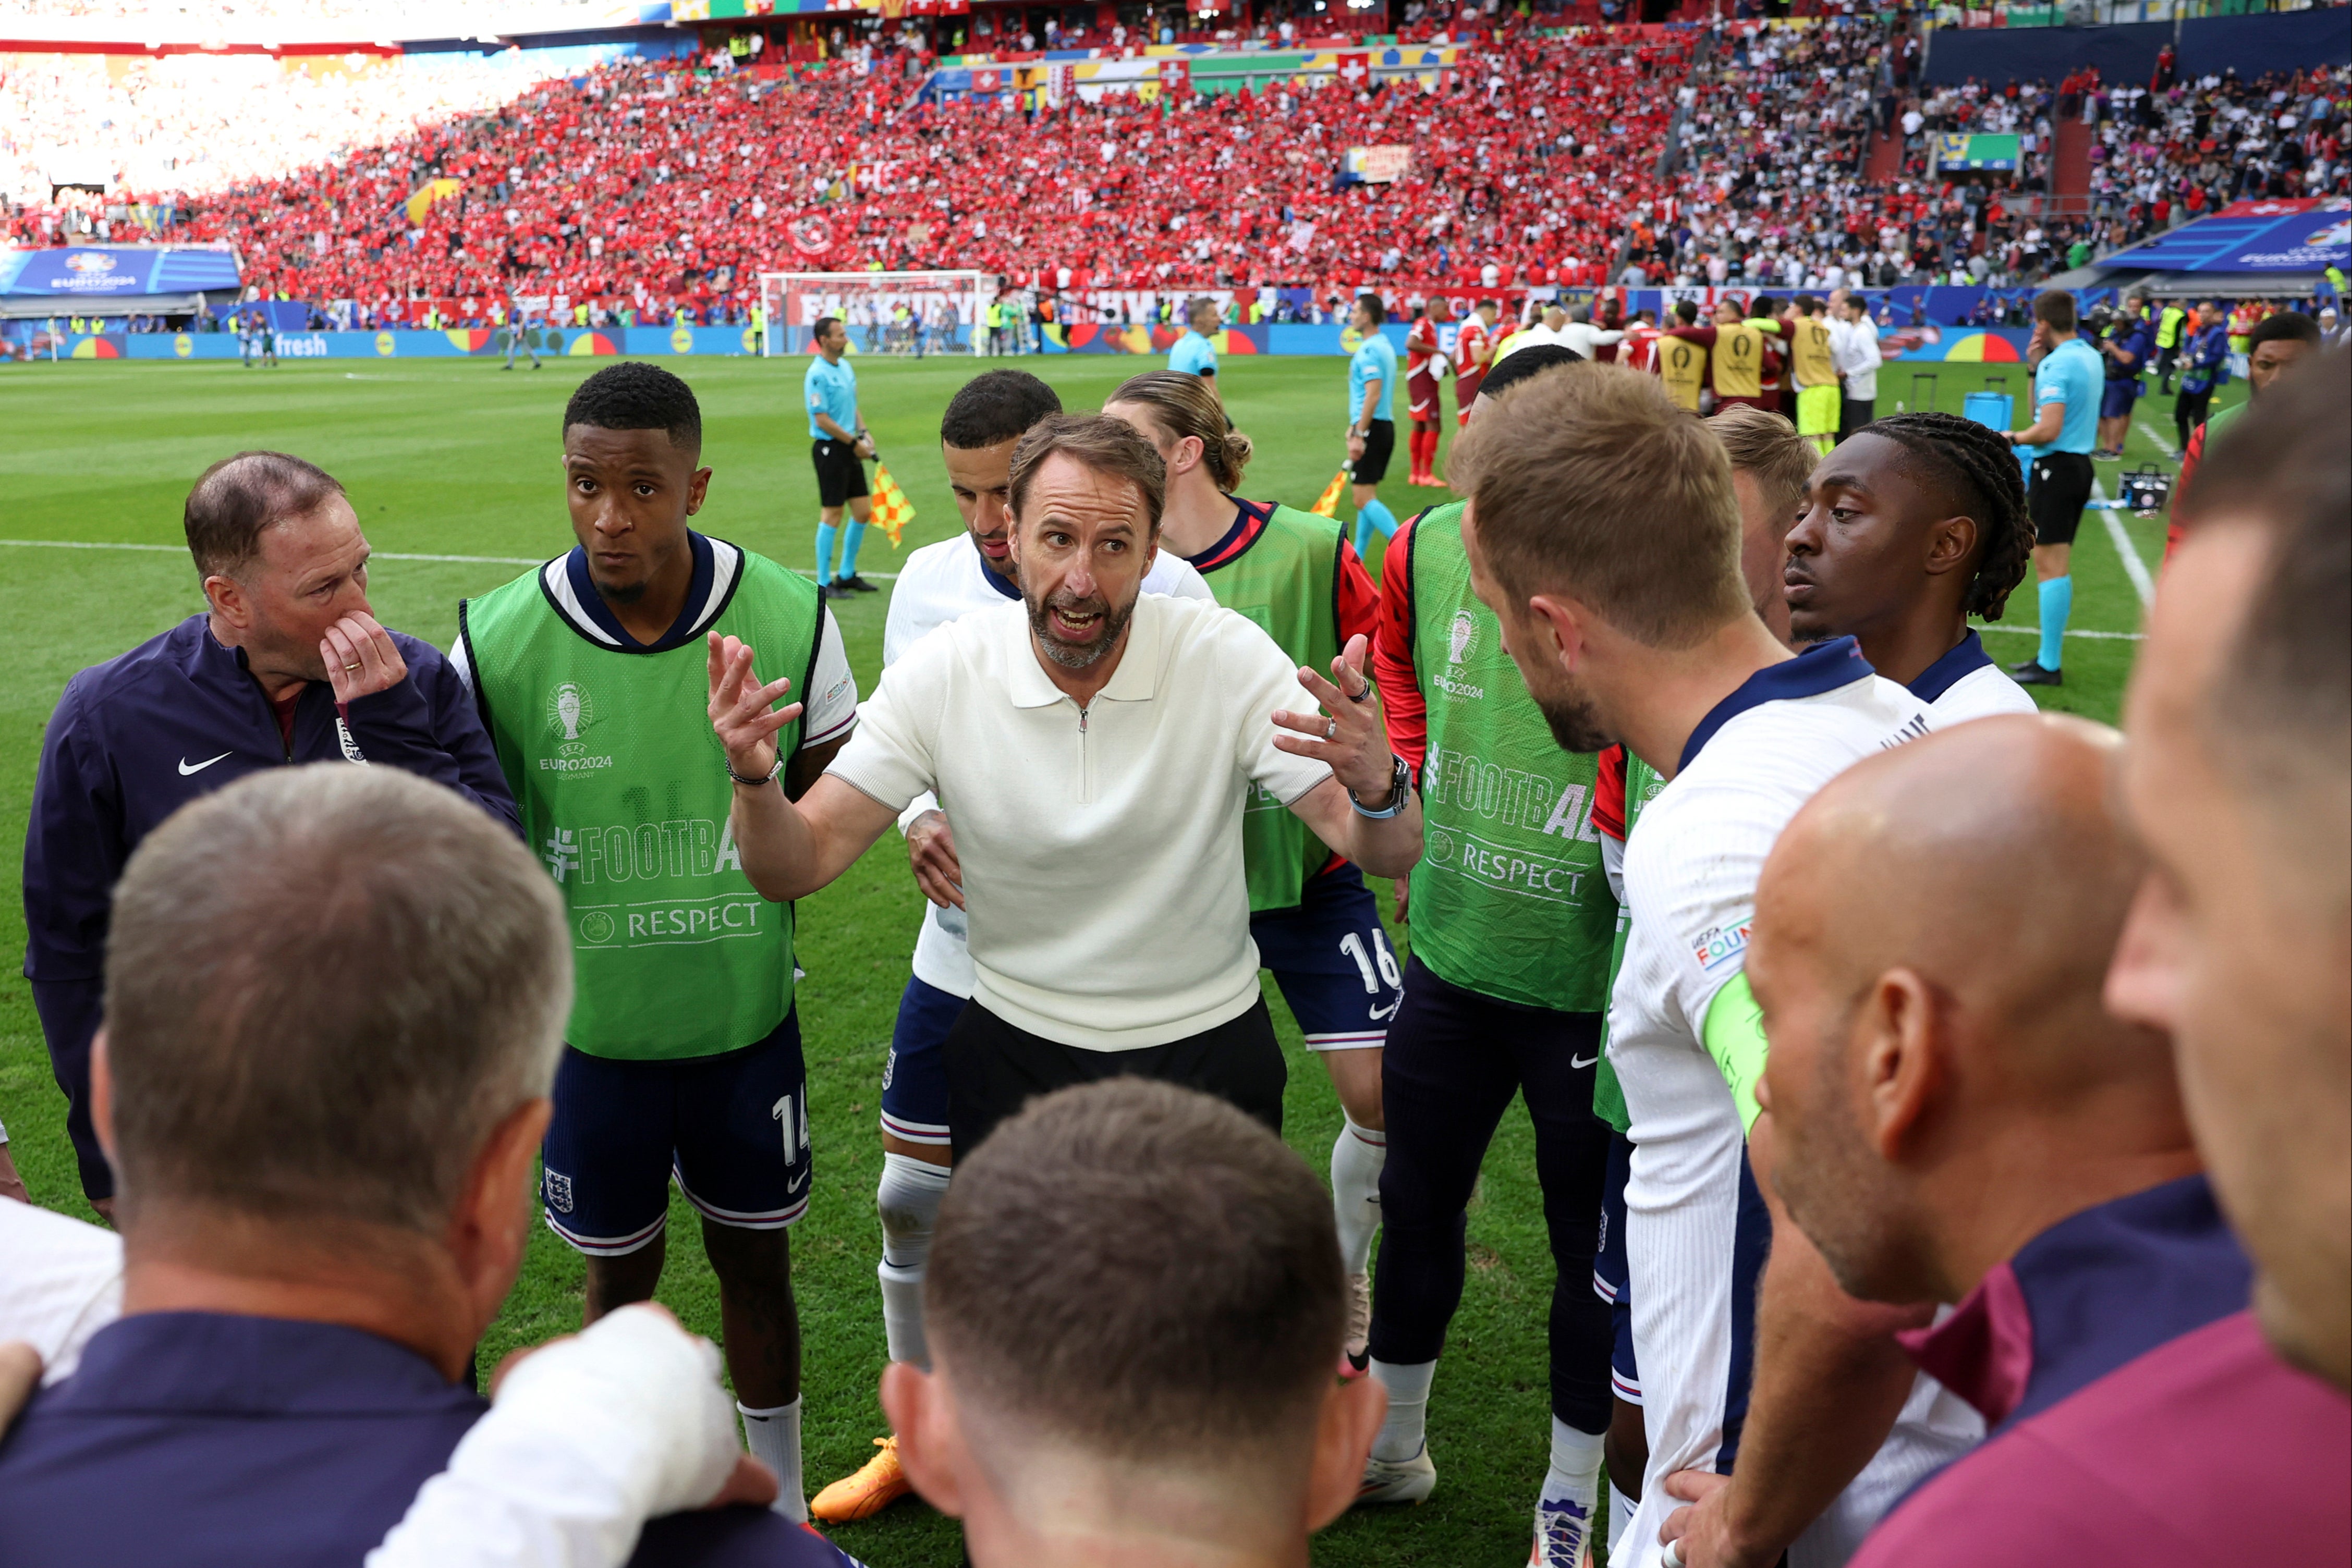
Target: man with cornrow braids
1915 523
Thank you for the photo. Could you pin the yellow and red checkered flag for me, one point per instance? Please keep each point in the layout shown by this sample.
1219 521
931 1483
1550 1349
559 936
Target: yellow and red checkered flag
1327 505
892 510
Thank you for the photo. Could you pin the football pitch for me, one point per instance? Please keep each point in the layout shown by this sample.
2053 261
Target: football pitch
455 469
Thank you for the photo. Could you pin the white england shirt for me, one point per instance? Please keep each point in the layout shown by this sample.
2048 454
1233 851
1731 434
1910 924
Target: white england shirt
946 582
1693 1247
1965 684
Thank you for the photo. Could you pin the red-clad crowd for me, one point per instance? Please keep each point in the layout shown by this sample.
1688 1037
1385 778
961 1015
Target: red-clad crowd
660 189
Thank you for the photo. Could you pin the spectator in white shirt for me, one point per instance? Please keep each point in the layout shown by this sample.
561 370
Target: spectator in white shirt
1096 746
1853 345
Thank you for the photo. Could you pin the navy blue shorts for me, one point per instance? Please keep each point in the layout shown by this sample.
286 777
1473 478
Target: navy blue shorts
2117 399
1612 1280
915 1077
733 1129
1333 962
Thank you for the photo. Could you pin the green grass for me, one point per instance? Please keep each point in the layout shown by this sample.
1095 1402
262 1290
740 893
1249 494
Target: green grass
455 457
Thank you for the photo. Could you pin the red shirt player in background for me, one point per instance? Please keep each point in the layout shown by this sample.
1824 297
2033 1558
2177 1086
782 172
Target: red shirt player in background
1639 346
1473 347
1422 365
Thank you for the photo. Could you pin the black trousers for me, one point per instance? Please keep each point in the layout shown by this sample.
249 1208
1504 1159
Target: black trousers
2189 413
995 1068
1853 414
1452 1062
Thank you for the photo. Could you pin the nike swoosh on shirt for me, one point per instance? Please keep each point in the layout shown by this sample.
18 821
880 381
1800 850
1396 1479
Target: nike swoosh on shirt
187 767
1584 1060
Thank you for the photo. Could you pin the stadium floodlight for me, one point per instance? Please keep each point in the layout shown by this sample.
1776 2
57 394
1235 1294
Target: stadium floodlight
886 312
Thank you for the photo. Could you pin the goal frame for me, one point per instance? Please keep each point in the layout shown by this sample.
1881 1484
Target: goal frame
793 301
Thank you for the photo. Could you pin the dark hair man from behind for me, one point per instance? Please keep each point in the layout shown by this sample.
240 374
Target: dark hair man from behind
1135 1302
2056 306
334 1001
286 664
2238 784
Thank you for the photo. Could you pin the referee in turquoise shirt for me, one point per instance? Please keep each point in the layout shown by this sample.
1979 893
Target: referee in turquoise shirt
1194 354
839 446
1371 417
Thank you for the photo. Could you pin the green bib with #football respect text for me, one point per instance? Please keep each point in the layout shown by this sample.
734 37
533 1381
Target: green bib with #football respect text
1510 899
625 798
1287 582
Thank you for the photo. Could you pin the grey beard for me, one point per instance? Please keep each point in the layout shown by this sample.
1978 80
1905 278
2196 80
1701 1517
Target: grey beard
1068 656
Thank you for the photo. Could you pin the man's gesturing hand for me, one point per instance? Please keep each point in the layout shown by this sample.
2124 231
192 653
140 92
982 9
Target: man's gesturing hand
360 657
742 711
1349 736
931 849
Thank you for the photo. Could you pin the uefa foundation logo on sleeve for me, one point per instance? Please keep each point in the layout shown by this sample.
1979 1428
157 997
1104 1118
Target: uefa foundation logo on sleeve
571 711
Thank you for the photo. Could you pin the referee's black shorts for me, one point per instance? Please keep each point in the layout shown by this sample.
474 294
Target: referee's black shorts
1380 445
840 477
2057 494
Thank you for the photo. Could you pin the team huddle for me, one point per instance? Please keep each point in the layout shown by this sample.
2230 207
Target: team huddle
1655 730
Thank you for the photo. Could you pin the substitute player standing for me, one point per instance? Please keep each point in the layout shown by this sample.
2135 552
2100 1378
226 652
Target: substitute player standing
1314 921
1512 922
683 1053
838 445
1424 363
2068 381
1474 347
1371 420
1603 530
1813 364
938 583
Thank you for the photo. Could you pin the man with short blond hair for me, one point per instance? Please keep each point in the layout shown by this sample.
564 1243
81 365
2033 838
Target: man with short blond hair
1603 529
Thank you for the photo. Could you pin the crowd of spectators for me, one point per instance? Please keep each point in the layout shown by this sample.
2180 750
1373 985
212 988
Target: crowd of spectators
660 189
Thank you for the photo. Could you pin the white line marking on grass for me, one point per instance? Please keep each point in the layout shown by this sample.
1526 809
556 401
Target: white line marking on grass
2161 444
380 555
2036 631
2133 568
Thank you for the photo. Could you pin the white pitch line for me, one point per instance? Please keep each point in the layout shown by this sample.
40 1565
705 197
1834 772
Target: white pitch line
2133 568
2161 444
2036 631
379 555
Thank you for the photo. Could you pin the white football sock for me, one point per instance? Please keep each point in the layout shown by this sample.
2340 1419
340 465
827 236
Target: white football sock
1621 1514
908 1202
774 1440
1356 1160
1405 1430
1570 1489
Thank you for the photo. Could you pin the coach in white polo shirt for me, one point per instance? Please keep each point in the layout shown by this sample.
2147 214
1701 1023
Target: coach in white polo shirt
1094 746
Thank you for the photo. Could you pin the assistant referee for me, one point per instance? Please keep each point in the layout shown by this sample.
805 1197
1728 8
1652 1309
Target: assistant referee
2068 376
839 445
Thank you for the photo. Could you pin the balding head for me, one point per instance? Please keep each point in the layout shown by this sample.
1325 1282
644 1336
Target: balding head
1932 931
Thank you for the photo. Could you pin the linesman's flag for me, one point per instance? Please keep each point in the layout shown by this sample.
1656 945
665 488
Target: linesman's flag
892 510
1327 504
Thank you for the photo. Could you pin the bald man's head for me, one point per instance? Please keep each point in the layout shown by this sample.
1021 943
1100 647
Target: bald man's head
1931 936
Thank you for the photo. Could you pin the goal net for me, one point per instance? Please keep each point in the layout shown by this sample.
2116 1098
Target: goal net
886 312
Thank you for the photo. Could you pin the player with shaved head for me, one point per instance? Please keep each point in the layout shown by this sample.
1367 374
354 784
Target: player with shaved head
1953 1116
1914 524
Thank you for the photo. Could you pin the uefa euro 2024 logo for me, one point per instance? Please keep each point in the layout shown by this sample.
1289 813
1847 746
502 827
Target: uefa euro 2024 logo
569 710
1464 631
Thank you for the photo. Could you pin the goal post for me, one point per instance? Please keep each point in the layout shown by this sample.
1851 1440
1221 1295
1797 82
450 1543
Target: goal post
886 312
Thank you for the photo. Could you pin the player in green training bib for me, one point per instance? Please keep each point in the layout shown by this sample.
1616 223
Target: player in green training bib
1315 924
682 1056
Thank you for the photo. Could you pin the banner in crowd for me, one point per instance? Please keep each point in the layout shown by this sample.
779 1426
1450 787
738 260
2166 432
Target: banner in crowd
2232 241
80 274
1376 165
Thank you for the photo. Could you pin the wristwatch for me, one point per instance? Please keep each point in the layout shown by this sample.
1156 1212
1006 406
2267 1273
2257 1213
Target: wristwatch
1399 791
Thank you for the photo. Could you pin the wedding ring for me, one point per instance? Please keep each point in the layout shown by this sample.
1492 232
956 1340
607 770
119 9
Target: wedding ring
350 666
1330 729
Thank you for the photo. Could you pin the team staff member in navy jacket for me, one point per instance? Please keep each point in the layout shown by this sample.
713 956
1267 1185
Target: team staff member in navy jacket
287 665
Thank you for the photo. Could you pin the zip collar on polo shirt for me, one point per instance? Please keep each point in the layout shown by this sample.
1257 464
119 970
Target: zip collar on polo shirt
718 569
1823 667
1250 520
1965 657
2094 1290
1136 680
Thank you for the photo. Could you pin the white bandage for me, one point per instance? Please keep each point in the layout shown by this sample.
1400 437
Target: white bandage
588 1437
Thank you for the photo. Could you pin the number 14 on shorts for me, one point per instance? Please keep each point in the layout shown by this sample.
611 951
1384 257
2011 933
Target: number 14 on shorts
792 1111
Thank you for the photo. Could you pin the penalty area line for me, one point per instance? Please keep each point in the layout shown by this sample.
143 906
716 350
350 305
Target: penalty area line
2036 631
2133 568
